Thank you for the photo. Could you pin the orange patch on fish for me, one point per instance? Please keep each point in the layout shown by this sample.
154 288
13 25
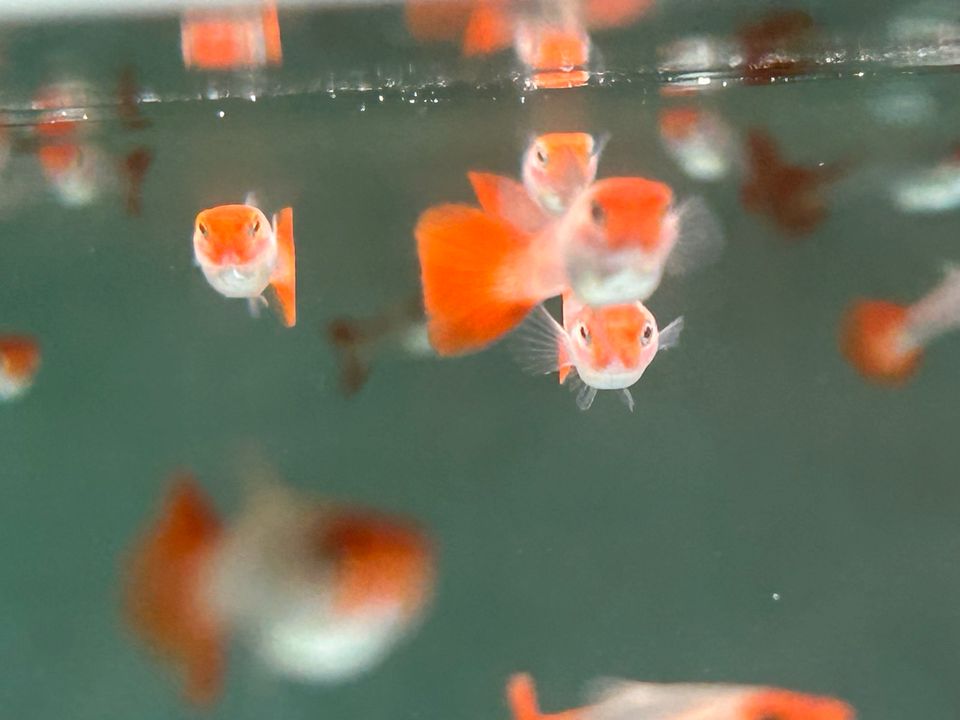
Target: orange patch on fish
871 335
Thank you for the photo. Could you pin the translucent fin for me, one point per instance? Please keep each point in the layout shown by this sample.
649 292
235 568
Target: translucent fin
254 304
539 345
700 238
670 335
627 398
284 278
251 199
506 198
586 394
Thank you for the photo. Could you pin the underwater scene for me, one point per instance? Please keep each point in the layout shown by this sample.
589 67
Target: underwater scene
480 360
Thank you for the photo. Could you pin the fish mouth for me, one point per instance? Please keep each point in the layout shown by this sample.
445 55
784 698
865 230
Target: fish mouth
616 280
237 281
614 377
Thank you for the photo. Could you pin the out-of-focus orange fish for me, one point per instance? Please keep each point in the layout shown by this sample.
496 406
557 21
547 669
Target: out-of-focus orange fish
551 39
770 46
358 342
621 699
19 362
885 341
230 38
482 274
605 348
320 592
790 195
700 141
241 253
78 173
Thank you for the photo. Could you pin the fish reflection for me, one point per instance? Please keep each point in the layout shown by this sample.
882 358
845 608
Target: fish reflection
606 348
241 253
619 699
320 592
930 190
230 38
550 36
481 274
771 46
790 195
885 341
700 141
19 362
358 342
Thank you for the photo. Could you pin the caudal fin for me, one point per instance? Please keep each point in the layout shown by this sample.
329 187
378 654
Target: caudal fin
346 339
871 339
164 590
522 697
284 279
135 167
464 257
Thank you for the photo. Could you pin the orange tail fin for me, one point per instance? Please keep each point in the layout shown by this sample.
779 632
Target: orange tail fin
870 335
346 339
464 256
135 167
284 280
163 590
522 697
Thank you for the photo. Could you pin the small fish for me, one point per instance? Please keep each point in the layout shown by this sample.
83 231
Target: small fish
606 348
555 55
931 190
482 274
241 253
19 362
620 699
790 195
771 46
358 341
319 592
230 38
885 341
700 142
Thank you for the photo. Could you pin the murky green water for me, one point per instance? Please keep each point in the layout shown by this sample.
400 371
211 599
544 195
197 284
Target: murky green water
764 516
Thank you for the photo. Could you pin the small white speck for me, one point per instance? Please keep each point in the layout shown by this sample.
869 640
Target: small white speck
220 114
724 83
333 96
363 107
821 164
703 80
380 98
523 99
776 597
253 98
413 101
859 74
85 117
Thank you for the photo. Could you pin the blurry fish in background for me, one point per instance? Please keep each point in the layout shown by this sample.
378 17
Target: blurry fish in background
606 348
550 37
792 196
320 592
481 274
128 97
775 46
228 38
619 699
885 341
19 362
358 342
700 141
933 189
241 253
556 168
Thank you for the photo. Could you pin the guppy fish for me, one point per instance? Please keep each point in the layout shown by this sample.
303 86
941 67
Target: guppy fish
19 362
241 253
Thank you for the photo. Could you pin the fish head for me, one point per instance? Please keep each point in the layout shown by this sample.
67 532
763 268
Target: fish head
616 238
236 248
614 344
557 167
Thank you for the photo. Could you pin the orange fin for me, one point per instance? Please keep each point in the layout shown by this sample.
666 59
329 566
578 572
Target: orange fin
284 280
869 339
522 698
135 167
464 254
614 13
346 339
508 199
163 590
489 29
432 21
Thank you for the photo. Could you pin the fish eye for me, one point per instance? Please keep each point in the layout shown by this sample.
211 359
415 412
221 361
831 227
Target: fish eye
645 338
584 333
597 212
541 155
203 229
255 228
